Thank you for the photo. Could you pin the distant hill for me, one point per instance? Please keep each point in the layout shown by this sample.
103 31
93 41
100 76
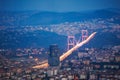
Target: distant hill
46 18
35 39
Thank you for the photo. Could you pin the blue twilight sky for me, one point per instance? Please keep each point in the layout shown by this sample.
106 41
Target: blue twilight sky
58 5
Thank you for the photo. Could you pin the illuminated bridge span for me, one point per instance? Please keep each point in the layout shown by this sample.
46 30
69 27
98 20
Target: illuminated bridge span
65 55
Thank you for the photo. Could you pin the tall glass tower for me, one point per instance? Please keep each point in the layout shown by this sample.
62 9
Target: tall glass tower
53 58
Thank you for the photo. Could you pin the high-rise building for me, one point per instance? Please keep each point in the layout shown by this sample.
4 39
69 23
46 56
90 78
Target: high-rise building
53 58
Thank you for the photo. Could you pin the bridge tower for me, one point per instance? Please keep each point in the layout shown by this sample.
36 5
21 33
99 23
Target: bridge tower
70 42
84 34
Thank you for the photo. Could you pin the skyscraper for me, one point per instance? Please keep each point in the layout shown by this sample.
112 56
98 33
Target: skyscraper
53 58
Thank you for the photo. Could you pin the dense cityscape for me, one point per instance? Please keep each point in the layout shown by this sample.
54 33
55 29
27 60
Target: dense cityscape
86 64
59 40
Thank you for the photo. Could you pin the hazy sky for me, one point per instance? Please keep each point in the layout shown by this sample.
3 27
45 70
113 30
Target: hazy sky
58 5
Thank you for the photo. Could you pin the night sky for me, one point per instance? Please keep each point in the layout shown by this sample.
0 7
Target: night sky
58 5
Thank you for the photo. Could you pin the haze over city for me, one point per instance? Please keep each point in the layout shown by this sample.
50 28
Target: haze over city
58 5
59 39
